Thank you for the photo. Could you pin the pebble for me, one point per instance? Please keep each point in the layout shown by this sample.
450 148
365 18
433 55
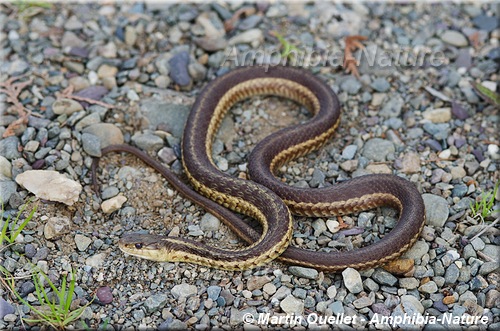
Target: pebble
9 148
377 149
254 37
352 280
384 278
56 227
82 242
5 308
66 106
256 282
107 133
436 210
147 141
438 115
308 273
429 287
105 295
209 223
91 144
454 38
410 163
179 70
111 205
157 301
172 116
292 305
380 85
50 185
349 152
7 189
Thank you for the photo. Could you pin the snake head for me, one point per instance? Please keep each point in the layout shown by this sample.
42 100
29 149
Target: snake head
147 246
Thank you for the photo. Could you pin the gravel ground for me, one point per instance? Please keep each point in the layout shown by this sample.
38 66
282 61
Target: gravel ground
134 69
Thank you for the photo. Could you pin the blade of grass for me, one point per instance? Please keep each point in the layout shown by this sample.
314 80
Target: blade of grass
23 224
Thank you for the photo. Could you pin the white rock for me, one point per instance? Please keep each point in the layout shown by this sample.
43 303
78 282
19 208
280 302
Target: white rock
113 204
82 242
352 280
253 36
50 185
5 168
292 305
183 290
333 226
438 115
96 261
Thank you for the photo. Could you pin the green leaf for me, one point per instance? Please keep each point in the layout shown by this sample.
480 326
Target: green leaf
490 96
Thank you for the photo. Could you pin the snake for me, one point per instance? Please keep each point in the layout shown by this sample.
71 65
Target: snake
263 196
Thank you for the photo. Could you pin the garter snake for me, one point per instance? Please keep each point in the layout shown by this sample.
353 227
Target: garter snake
264 197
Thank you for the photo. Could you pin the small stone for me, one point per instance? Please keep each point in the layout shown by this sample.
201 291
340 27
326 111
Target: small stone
183 290
96 261
157 301
362 302
400 266
7 189
213 292
104 294
209 223
5 169
253 37
66 106
384 278
179 70
417 251
438 115
380 85
349 152
319 227
451 274
106 70
352 280
333 226
108 133
454 38
331 292
448 300
167 155
211 44
269 288
429 287
308 273
436 209
82 242
377 149
91 144
411 163
9 147
5 308
256 282
56 227
408 283
113 204
50 185
147 141
292 306
130 35
488 267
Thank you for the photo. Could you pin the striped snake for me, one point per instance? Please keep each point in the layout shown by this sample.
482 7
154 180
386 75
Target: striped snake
264 197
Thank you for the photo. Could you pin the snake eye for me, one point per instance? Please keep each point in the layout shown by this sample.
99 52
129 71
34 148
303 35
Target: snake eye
138 245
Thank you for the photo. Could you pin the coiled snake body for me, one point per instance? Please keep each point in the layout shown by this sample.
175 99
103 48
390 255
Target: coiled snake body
264 197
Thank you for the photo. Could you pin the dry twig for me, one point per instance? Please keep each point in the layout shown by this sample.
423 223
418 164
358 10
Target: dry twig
352 43
12 90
